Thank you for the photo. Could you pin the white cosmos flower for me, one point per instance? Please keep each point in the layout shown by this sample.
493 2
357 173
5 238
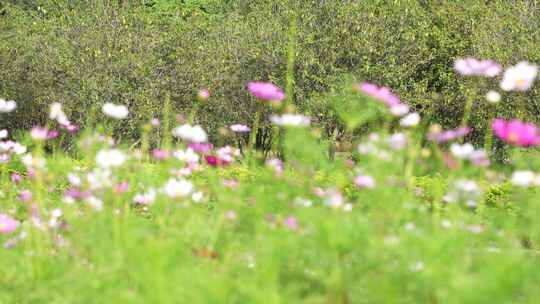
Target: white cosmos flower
147 198
56 113
399 109
462 151
7 106
3 134
197 196
493 96
239 128
187 156
190 133
519 77
95 203
522 178
110 158
410 120
18 148
177 188
290 120
115 111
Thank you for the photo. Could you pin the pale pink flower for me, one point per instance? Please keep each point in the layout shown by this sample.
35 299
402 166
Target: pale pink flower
266 91
474 67
7 224
239 128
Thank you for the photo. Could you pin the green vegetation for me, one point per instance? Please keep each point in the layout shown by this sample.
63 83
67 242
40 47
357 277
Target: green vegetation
333 190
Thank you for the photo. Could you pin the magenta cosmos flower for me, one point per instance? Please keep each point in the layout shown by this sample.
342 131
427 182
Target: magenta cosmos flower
265 91
7 224
516 132
474 67
216 161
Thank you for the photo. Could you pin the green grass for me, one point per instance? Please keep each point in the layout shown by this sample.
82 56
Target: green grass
398 244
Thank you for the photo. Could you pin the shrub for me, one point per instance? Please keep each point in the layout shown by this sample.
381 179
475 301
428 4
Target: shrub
86 53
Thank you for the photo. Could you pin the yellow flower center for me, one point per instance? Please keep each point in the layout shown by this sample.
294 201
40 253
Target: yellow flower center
520 83
513 137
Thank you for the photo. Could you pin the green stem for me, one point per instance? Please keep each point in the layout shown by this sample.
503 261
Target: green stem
411 159
166 140
255 129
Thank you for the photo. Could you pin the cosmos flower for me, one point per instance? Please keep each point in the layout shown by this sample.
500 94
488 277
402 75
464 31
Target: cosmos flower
39 133
202 148
516 132
160 154
203 94
474 67
155 122
519 77
4 133
410 120
146 198
493 96
187 156
194 134
7 224
290 120
364 181
524 178
265 91
462 151
276 165
7 106
292 223
115 111
440 136
397 141
239 128
177 188
383 94
110 158
216 161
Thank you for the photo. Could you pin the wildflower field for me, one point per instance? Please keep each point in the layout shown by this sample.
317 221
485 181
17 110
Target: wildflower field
390 207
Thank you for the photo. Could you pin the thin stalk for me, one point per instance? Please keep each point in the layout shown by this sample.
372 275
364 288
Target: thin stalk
255 129
166 140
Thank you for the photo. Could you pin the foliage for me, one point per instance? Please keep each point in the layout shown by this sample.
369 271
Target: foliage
85 53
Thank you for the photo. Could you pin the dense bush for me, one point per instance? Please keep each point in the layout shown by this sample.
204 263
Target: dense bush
86 53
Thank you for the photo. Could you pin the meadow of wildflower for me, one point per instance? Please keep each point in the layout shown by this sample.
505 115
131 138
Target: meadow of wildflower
388 207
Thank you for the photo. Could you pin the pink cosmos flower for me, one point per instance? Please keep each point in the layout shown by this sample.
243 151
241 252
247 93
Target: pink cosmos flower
4 158
364 181
215 161
446 136
121 187
25 195
160 154
516 132
203 94
292 223
16 178
276 165
265 91
52 134
71 128
383 94
202 148
474 67
239 128
155 122
74 194
39 133
7 224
